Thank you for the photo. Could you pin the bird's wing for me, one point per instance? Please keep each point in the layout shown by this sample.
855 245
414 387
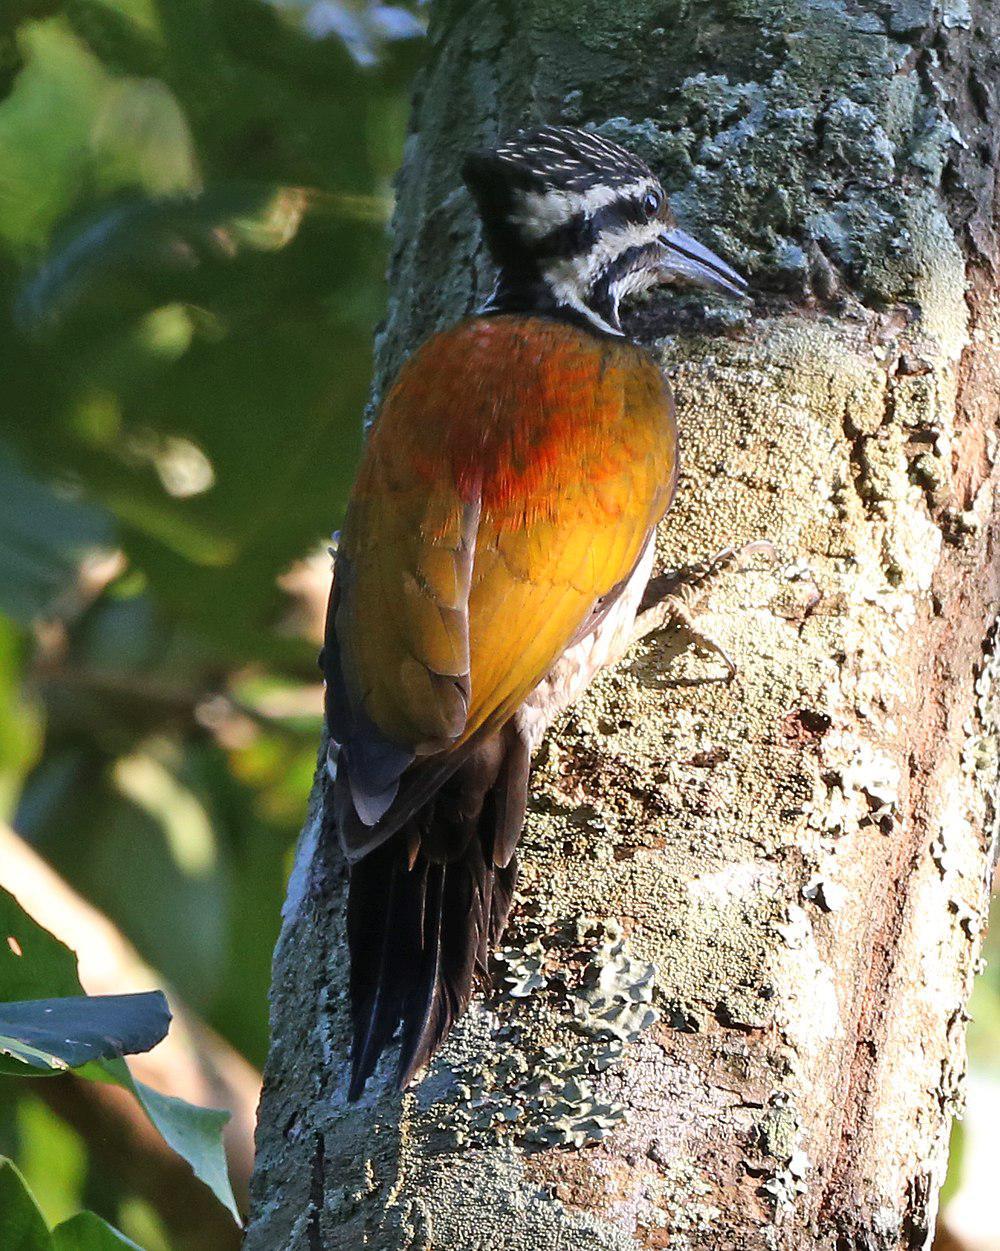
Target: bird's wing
396 655
512 480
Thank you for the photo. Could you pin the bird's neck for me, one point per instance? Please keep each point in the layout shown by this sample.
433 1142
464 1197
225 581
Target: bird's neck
533 294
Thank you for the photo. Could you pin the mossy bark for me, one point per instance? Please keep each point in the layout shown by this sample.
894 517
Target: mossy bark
731 1010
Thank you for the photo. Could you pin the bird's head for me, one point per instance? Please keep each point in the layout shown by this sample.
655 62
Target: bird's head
578 223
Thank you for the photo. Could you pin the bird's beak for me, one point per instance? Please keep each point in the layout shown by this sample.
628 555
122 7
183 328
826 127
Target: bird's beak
686 260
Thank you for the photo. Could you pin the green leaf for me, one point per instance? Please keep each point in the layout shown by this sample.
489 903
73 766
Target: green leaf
130 247
87 1232
22 1226
33 964
44 165
21 725
58 1034
51 1155
141 138
113 133
44 538
194 1133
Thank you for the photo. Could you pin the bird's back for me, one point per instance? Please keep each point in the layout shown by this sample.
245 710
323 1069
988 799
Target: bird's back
511 481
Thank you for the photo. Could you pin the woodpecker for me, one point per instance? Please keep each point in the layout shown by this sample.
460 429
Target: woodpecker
502 519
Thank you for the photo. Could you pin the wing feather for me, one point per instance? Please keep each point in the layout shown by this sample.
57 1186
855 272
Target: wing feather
510 485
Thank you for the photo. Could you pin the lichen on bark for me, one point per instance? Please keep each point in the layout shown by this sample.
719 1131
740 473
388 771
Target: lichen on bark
730 1010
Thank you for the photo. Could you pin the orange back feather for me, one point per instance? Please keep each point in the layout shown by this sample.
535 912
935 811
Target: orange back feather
553 451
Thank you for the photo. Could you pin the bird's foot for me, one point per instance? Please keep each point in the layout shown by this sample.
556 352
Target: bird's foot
671 597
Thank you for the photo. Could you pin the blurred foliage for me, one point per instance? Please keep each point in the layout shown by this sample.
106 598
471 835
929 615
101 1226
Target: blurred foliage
193 206
38 971
91 1035
23 1227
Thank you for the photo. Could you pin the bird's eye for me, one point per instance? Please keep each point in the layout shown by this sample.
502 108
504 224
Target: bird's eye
651 202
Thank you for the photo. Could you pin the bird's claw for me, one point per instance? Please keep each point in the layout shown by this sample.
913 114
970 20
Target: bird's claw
669 597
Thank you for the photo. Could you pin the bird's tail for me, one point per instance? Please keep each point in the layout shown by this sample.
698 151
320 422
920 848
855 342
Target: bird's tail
426 908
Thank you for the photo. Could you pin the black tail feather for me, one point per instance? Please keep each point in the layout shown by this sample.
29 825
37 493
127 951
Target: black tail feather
511 797
384 931
419 929
504 881
433 1003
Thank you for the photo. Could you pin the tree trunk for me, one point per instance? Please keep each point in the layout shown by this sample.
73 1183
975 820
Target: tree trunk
731 1010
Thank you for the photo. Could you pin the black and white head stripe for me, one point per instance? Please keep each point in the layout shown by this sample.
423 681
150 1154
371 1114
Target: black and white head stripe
552 176
575 160
560 206
574 221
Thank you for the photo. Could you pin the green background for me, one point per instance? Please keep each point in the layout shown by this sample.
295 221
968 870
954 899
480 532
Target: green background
194 200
